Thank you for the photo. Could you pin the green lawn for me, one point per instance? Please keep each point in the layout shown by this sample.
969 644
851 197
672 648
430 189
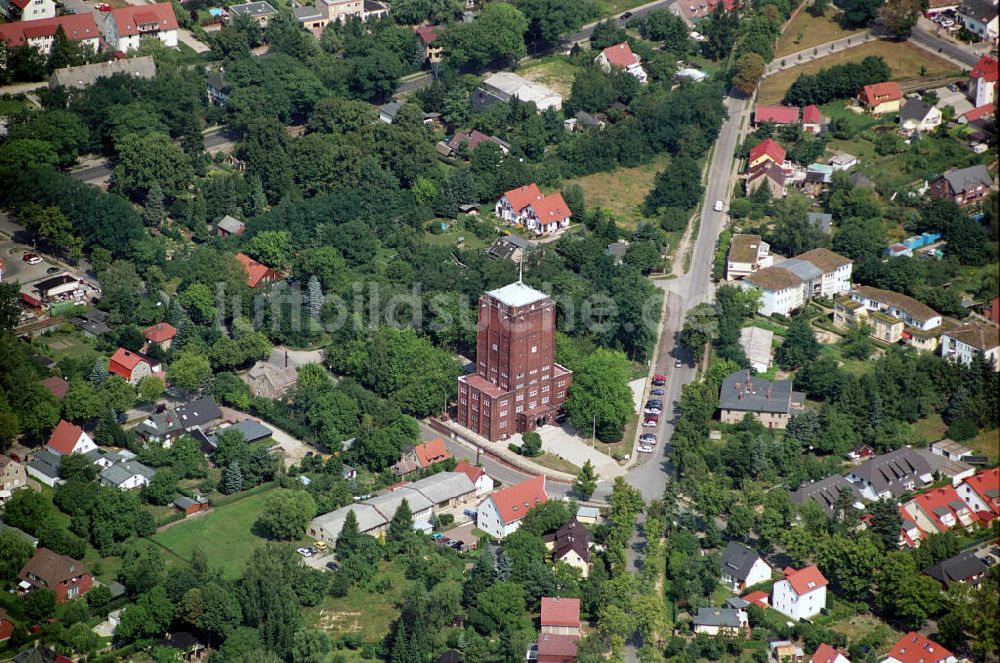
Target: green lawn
931 428
66 341
9 106
806 30
366 612
226 535
987 443
620 191
555 72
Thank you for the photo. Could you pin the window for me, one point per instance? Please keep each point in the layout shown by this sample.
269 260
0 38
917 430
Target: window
519 408
545 389
495 347
534 349
519 398
533 392
503 413
532 404
545 399
561 383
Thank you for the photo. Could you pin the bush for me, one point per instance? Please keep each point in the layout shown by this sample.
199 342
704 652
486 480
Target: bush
515 448
532 444
962 429
445 519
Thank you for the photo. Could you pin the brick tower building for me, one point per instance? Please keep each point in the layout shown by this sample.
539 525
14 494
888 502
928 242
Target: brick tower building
517 385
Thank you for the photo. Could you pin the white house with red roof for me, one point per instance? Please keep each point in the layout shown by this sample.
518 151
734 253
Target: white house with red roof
477 475
812 119
620 56
981 492
916 648
560 616
27 10
123 28
526 206
69 439
132 366
500 514
939 510
162 334
982 87
827 654
79 28
801 594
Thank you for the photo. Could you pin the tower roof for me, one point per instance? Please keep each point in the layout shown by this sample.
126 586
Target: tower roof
517 294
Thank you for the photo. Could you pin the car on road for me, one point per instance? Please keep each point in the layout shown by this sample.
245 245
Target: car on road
103 7
645 450
625 16
647 438
678 363
305 552
659 380
657 392
31 259
718 206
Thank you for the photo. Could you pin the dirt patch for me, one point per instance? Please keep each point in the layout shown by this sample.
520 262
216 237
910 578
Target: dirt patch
340 620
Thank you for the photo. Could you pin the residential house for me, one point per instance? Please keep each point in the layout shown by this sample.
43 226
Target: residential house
218 92
230 226
756 344
917 117
964 568
770 403
560 616
257 274
509 247
731 622
500 514
965 186
766 150
433 47
251 430
827 654
790 284
28 538
588 514
65 576
39 34
881 98
123 28
969 339
270 381
127 475
812 119
445 490
6 626
555 648
770 175
259 12
56 386
388 503
943 467
85 75
327 526
105 459
69 439
198 413
312 17
779 115
781 290
827 493
160 428
503 86
27 10
43 466
980 18
387 112
939 510
891 475
132 366
471 141
983 113
431 452
982 86
747 254
781 651
477 475
526 206
889 314
742 567
191 505
982 493
801 594
917 648
13 475
342 10
571 544
620 56
950 449
161 334
843 161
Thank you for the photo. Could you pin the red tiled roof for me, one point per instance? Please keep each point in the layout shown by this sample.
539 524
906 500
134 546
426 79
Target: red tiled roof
521 197
514 502
56 385
777 114
123 362
472 140
128 19
805 580
560 611
160 332
944 498
20 4
431 452
76 26
256 272
878 93
769 147
985 482
620 55
550 644
986 68
811 115
985 110
427 34
470 471
551 208
64 437
757 598
825 654
917 648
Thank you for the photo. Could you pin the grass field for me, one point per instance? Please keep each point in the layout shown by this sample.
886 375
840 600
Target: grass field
986 444
226 535
450 237
905 60
556 463
364 611
807 30
861 625
931 428
620 191
554 72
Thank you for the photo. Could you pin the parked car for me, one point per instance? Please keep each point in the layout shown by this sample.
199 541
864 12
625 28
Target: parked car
657 392
650 421
103 6
305 552
31 259
319 545
332 566
645 450
455 544
471 513
626 16
437 535
52 270
647 438
678 363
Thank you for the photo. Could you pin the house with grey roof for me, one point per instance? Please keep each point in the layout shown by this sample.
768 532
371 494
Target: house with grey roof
388 503
127 475
771 403
721 621
964 186
200 413
617 251
160 428
963 568
229 226
445 489
271 381
260 12
44 466
21 533
917 116
387 112
251 430
891 475
756 343
826 492
85 75
742 567
509 247
327 527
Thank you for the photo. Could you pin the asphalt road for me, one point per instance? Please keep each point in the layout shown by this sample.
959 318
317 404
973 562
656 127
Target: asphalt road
952 50
583 34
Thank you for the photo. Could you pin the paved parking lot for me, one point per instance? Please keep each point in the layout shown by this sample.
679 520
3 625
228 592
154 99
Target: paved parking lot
15 269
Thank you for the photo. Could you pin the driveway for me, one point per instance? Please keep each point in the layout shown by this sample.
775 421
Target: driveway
187 38
563 443
294 450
